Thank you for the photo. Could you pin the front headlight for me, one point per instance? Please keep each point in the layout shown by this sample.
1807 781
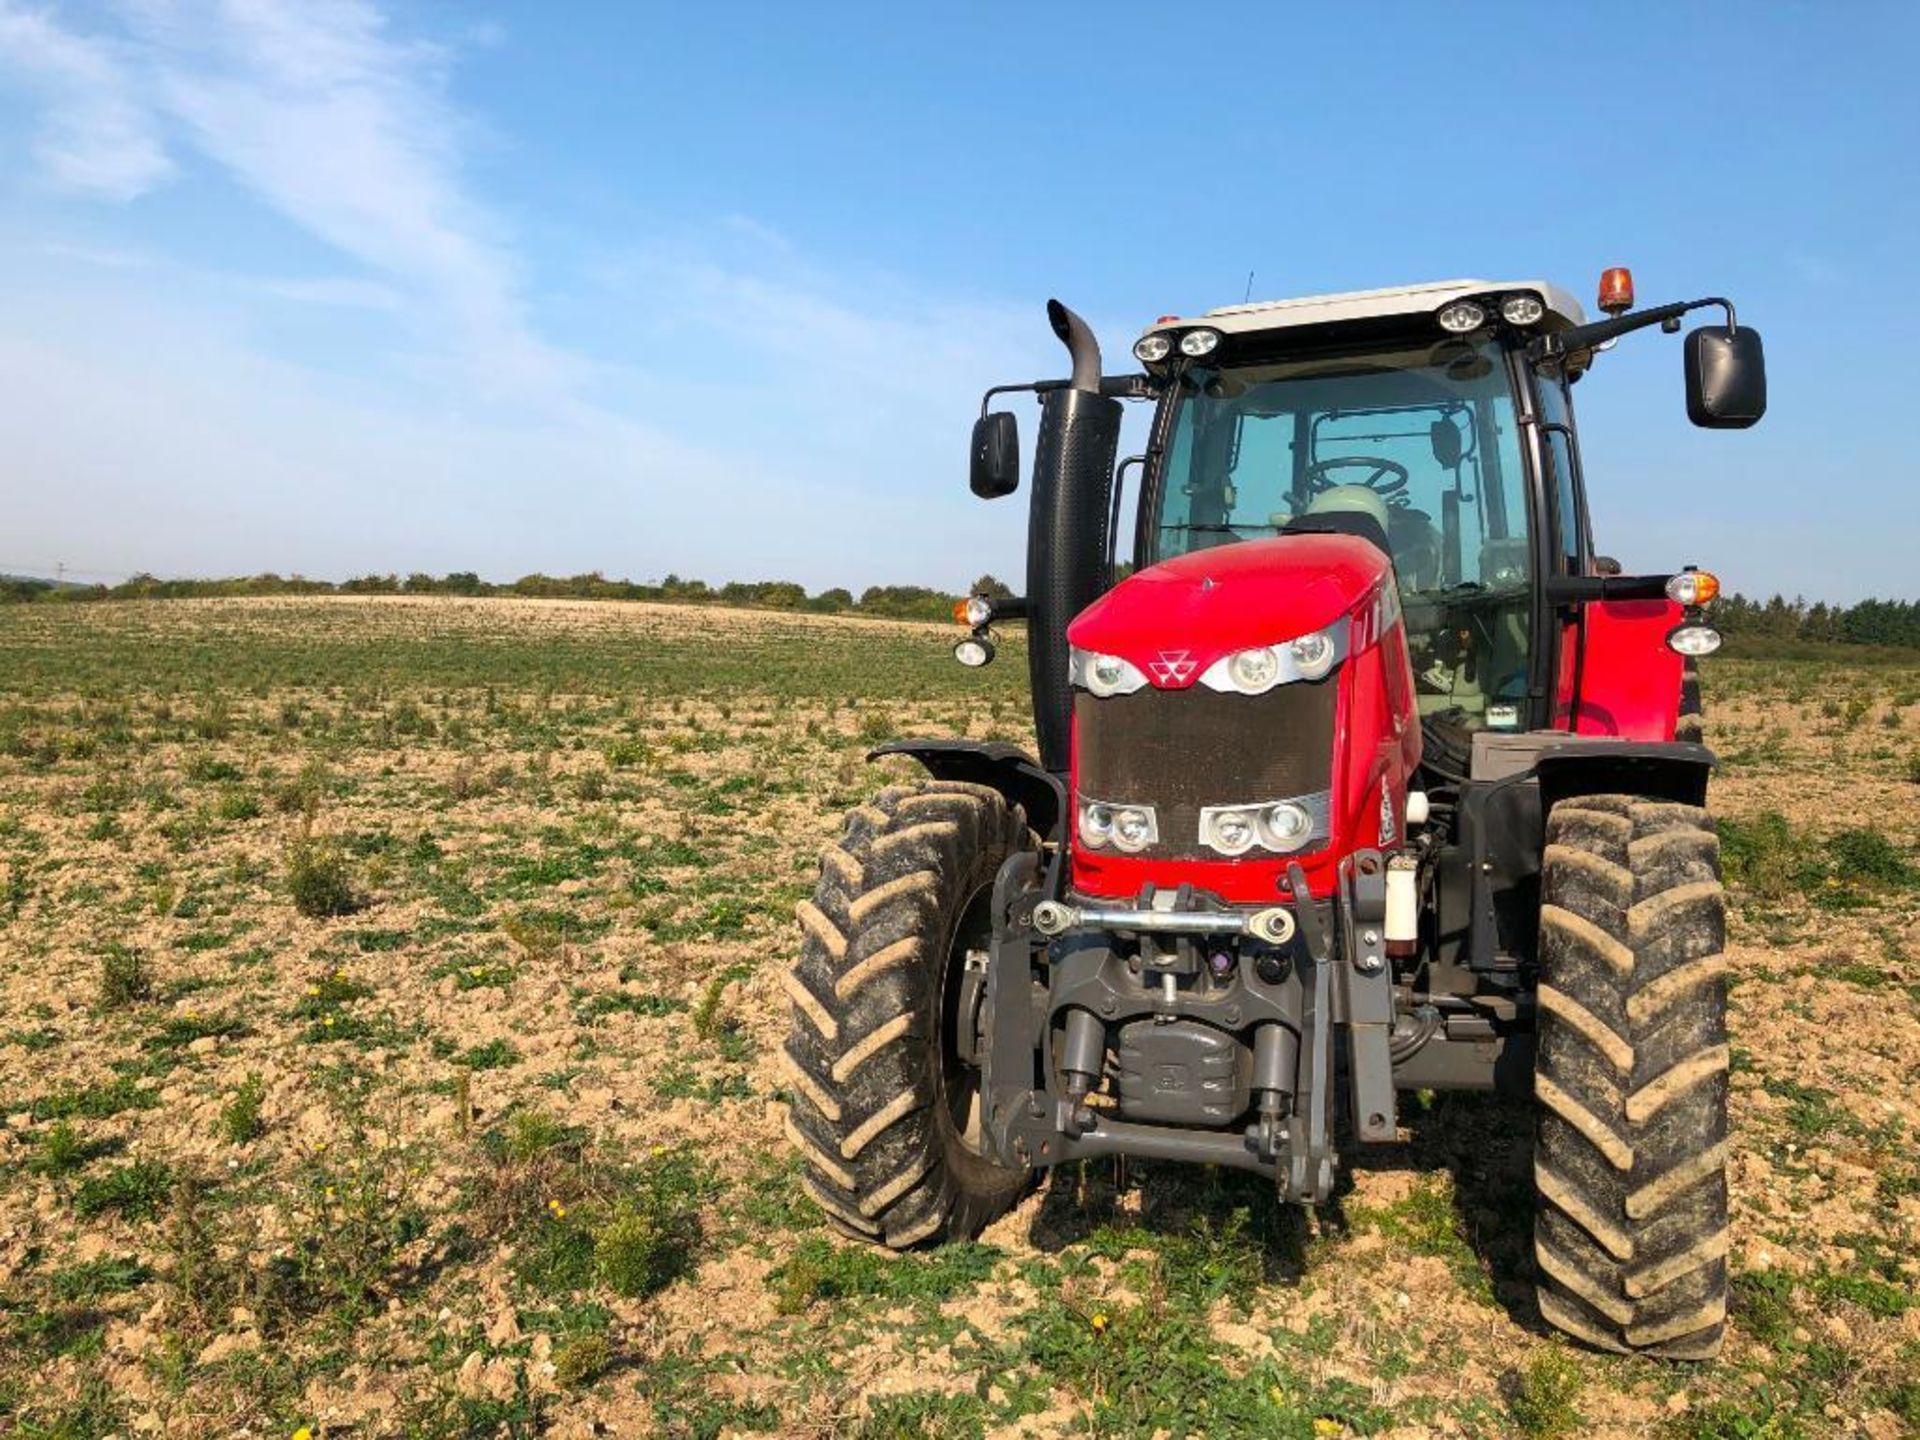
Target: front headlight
1232 832
1694 640
1103 675
1131 828
1288 824
1199 342
1693 587
1134 827
1313 655
1254 670
974 651
1281 826
1522 309
1257 670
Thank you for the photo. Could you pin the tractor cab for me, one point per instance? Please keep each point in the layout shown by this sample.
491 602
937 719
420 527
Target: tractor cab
1435 419
1367 414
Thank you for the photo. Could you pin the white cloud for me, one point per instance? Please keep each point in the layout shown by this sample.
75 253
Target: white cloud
323 114
772 419
345 292
97 134
344 128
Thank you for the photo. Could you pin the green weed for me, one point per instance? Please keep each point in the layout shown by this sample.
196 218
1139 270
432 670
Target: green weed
240 1120
135 1191
318 879
60 1150
96 1102
124 977
820 1270
95 1279
493 1055
1545 1395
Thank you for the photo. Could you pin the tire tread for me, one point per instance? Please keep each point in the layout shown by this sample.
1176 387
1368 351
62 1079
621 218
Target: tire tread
1632 1064
864 1037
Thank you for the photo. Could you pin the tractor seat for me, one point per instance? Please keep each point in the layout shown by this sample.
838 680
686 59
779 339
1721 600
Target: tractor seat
1344 510
1406 535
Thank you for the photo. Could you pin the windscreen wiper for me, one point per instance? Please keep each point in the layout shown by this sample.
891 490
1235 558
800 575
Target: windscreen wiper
1219 528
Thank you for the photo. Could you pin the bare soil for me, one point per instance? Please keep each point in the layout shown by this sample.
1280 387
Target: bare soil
572 835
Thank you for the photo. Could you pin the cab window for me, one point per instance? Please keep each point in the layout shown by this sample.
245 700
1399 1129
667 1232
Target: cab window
1422 437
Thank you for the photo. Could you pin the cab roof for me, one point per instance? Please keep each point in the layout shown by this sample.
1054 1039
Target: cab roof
1374 305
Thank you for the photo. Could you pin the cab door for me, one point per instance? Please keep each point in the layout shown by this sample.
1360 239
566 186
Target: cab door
1614 674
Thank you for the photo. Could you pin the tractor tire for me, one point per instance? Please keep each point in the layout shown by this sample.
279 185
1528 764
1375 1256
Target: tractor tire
1630 1153
884 1113
1691 725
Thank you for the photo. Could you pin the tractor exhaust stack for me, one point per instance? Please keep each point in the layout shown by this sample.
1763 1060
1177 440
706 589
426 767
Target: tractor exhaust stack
1067 541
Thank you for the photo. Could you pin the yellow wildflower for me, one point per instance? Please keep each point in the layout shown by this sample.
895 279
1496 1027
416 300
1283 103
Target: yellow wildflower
1329 1428
1099 1322
303 1433
557 1208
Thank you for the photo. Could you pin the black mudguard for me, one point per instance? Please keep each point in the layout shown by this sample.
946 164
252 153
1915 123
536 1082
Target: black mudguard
1660 769
1503 829
998 766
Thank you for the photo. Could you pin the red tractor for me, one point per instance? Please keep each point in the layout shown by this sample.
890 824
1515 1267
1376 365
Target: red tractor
1364 779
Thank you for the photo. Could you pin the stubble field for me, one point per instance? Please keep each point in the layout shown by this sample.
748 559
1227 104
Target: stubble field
389 1045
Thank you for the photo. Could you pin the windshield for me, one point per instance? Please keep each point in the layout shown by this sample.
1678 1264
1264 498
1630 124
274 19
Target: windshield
1422 438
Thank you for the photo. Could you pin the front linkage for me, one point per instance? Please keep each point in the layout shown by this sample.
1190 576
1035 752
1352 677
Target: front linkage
1212 1013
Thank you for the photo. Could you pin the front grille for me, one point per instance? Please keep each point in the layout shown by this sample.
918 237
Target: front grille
1180 750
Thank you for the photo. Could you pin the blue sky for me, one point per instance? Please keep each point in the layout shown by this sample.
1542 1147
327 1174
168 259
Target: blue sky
338 286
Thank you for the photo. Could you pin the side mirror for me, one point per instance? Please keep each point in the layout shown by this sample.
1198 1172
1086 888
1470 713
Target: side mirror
1444 436
1726 377
996 455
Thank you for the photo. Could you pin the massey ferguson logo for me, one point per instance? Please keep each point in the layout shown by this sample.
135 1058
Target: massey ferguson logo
1174 667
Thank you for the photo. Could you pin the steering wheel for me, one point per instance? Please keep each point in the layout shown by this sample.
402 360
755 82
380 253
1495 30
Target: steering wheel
1387 478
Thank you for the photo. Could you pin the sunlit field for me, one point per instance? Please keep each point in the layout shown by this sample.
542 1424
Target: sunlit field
390 1046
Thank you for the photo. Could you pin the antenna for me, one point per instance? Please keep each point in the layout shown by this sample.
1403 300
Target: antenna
1247 299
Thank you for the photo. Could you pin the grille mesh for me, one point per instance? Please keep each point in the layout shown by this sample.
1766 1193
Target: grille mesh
1178 750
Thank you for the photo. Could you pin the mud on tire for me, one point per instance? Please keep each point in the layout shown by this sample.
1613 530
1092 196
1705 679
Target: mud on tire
879 1112
1630 1232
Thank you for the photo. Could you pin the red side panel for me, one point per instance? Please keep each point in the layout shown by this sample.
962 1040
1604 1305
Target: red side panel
1624 680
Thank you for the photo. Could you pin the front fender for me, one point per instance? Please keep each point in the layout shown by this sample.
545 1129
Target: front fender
996 765
1659 769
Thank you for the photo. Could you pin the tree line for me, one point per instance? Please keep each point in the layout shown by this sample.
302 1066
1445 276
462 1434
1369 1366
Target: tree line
1871 622
893 602
1894 623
